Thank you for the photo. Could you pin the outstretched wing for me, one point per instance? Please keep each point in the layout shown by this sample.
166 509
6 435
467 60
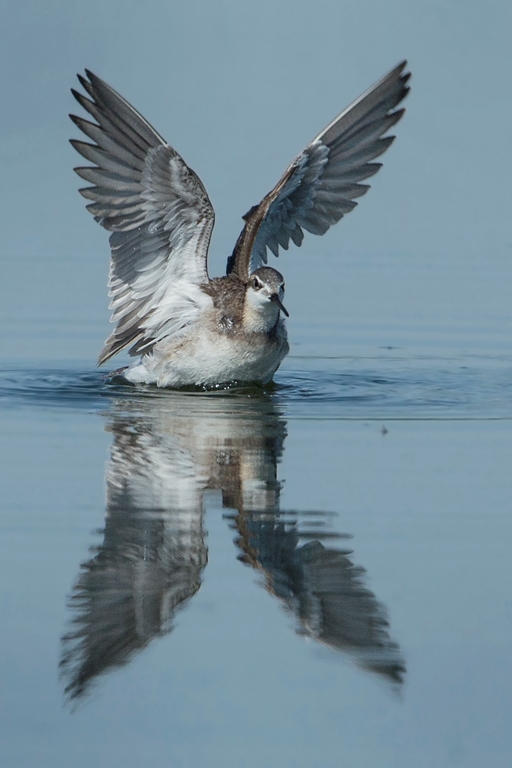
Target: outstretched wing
320 186
159 214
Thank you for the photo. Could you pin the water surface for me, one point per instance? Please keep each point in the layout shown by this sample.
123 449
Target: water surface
311 572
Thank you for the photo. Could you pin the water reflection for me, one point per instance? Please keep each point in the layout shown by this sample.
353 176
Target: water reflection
166 453
322 588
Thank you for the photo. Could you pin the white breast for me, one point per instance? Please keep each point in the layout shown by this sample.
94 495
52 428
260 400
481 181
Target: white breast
207 357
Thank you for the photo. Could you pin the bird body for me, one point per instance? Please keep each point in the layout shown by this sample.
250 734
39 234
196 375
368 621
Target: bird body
223 348
186 328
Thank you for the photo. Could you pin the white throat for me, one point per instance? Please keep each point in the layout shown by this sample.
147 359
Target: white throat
260 314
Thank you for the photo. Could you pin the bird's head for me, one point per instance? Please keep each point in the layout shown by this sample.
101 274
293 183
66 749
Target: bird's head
265 292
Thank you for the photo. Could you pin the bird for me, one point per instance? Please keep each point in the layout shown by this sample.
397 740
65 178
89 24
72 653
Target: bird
185 328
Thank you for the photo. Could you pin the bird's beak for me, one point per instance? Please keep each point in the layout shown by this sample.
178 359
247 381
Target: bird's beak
275 298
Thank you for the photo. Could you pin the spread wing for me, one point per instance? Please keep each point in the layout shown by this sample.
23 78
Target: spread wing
321 184
160 217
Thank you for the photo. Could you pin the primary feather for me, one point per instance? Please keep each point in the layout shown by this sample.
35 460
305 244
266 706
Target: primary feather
160 217
322 183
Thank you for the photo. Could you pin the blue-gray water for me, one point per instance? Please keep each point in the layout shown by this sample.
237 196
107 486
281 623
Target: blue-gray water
313 574
319 573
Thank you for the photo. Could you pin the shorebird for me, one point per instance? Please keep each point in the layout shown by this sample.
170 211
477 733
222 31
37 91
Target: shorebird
186 328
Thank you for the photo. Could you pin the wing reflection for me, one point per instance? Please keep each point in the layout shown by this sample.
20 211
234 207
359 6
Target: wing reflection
152 556
320 586
166 453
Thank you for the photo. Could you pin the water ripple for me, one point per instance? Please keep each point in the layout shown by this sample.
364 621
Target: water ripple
322 388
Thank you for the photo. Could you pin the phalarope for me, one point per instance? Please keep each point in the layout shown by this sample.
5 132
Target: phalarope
186 328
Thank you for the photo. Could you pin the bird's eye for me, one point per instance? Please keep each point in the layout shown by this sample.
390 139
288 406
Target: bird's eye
256 284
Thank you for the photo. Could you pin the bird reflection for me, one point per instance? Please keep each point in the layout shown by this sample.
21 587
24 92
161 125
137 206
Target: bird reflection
320 586
166 453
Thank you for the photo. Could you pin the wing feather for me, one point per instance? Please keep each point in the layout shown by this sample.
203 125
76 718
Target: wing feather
321 185
159 215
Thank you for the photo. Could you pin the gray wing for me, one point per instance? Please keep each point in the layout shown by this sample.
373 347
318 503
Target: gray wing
160 217
321 184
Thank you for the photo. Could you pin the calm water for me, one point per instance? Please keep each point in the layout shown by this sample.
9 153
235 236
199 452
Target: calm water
313 574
